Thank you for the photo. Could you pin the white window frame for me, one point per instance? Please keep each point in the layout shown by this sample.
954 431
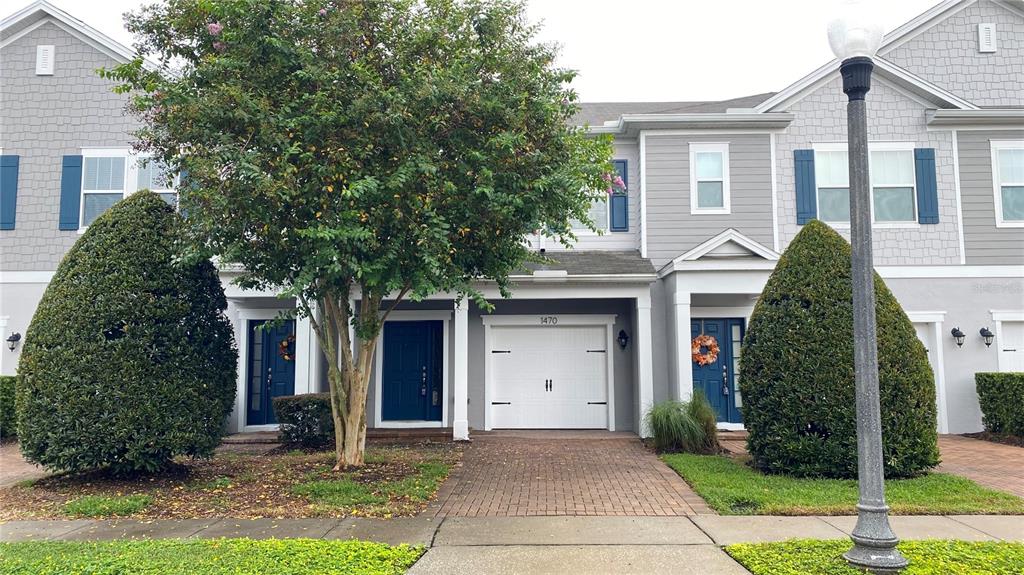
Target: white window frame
997 196
131 177
872 147
705 147
585 231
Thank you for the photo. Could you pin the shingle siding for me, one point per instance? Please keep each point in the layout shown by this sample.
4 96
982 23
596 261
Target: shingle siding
43 118
984 243
947 55
892 117
671 229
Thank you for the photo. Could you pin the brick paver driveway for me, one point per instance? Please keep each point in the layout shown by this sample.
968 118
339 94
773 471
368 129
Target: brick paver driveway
991 464
563 473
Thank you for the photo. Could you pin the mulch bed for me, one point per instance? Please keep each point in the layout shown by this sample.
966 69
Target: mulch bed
1004 438
239 481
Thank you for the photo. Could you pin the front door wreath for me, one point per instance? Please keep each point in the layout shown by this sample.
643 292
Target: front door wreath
704 349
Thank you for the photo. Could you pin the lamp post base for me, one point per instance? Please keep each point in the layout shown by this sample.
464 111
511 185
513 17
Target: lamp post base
874 543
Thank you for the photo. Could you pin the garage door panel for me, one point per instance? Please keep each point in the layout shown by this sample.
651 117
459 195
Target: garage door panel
572 358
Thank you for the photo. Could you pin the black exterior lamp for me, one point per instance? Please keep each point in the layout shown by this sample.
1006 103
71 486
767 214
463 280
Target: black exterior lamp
623 339
958 336
987 335
12 340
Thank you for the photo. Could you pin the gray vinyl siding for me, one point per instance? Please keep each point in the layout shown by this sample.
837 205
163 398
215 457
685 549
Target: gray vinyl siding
984 243
671 229
947 55
43 118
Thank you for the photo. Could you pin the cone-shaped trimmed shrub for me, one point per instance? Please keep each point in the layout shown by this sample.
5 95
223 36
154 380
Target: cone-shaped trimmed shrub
797 366
129 359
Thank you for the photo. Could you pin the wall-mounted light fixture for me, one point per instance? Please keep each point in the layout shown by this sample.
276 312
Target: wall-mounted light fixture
958 336
623 339
12 340
987 335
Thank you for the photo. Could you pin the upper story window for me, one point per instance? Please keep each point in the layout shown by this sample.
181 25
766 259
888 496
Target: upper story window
108 175
893 183
709 178
1008 182
598 214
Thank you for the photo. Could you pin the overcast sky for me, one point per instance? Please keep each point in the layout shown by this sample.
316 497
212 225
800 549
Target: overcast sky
649 50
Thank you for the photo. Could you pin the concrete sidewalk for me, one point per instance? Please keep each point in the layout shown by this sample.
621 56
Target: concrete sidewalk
506 545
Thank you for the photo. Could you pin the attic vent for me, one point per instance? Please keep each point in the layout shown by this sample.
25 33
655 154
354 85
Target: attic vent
987 37
44 60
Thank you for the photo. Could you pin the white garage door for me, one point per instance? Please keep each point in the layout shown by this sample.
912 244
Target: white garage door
549 377
1011 346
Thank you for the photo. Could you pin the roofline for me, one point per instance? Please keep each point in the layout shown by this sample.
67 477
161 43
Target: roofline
920 22
698 120
995 117
90 35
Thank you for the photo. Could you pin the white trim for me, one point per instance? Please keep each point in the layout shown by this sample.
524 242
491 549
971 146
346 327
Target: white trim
723 312
7 277
721 148
956 271
926 316
935 319
985 119
999 316
643 194
746 121
959 200
549 276
1007 314
775 192
71 25
706 132
444 316
994 147
882 146
921 23
540 320
245 315
130 172
729 235
3 338
644 352
460 372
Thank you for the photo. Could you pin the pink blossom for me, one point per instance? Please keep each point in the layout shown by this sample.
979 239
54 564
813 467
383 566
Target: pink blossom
606 177
220 46
618 182
610 191
214 28
322 12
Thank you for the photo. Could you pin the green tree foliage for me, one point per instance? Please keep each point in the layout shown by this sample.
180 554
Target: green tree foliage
364 149
798 377
1001 396
129 360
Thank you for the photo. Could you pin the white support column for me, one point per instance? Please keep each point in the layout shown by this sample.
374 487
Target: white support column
460 373
305 344
684 368
644 359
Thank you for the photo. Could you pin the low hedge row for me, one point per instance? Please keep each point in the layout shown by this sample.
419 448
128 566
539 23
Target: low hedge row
305 420
7 415
1001 396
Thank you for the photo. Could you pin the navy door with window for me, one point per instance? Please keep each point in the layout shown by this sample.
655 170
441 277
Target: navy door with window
719 379
271 368
411 379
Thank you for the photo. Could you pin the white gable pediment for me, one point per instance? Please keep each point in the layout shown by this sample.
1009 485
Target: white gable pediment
728 250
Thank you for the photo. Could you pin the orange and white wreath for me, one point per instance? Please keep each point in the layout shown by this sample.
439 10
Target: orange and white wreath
704 349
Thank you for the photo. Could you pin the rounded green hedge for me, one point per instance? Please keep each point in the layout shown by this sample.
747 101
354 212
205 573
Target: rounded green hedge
797 369
129 359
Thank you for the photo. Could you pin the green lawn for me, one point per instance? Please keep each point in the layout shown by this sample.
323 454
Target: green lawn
809 557
207 557
732 488
104 506
376 498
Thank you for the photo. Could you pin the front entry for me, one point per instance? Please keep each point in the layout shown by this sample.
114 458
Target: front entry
719 379
411 380
271 368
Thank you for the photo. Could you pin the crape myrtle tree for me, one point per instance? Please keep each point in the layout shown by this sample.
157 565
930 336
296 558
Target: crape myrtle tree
370 151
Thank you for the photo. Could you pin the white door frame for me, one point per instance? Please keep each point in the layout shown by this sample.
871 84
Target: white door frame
378 368
549 320
302 347
935 319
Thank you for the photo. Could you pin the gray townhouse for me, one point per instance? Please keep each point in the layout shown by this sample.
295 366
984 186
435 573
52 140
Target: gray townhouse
715 192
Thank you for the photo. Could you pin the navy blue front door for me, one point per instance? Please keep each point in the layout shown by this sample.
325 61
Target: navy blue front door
271 368
718 380
411 380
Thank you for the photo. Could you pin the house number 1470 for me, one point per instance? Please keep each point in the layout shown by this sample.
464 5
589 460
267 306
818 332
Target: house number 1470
549 320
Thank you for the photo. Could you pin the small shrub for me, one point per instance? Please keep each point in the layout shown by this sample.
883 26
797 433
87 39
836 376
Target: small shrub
129 360
7 415
1001 396
798 376
104 506
305 420
684 426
